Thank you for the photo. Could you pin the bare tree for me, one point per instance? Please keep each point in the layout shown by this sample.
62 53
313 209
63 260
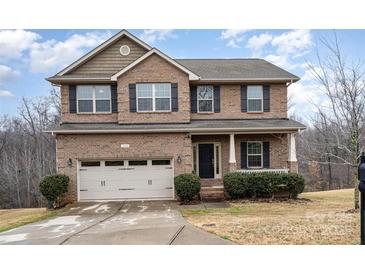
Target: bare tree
341 123
26 152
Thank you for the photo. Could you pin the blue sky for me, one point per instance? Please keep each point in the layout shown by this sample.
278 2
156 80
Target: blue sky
29 56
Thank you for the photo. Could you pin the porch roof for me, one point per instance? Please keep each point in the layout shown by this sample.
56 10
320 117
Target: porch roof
211 126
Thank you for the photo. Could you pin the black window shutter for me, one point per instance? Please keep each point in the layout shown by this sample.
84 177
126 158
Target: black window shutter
193 99
217 99
266 96
72 99
132 98
243 98
266 154
114 96
174 97
244 155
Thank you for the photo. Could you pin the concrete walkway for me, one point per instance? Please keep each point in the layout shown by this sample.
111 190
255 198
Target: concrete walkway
139 222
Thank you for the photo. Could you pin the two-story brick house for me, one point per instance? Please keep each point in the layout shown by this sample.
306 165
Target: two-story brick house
133 118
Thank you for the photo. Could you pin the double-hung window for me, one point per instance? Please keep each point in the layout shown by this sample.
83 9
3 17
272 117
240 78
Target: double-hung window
254 154
205 98
93 99
254 99
154 97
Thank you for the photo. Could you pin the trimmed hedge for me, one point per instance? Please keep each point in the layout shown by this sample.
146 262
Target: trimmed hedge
53 186
187 186
263 184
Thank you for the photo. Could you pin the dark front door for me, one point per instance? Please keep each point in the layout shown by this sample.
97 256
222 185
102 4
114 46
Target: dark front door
206 160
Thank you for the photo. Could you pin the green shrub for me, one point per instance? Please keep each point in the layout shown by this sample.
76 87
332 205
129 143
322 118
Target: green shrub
236 184
187 186
53 186
263 184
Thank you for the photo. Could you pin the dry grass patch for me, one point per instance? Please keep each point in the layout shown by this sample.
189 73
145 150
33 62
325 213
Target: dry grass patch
11 218
316 218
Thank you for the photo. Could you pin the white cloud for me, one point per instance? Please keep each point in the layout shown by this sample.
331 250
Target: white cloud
6 93
234 37
256 42
293 41
155 35
53 54
7 74
14 42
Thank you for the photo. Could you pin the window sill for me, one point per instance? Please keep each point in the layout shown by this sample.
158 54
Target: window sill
255 112
93 113
205 113
153 112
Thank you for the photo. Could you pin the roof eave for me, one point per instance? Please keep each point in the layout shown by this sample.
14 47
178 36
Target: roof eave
188 130
248 80
60 80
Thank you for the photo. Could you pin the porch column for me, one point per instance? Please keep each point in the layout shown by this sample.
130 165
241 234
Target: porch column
292 157
232 153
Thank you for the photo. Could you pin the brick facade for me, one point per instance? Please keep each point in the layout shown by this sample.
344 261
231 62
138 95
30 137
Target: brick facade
231 104
107 146
154 70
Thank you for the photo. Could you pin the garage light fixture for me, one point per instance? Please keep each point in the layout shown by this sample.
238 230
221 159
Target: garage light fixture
69 163
179 160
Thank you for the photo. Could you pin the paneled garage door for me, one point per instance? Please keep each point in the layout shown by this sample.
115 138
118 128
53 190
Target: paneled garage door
125 179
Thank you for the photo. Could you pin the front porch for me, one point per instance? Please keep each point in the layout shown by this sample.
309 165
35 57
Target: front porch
216 155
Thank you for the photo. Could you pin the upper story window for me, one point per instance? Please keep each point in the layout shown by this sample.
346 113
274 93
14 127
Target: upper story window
254 99
153 97
93 99
205 98
254 154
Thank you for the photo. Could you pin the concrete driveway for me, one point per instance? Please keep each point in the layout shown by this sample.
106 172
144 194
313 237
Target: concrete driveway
139 222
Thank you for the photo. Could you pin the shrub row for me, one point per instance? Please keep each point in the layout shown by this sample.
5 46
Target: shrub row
265 184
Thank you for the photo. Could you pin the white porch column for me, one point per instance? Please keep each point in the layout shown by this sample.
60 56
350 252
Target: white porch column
232 153
292 157
292 149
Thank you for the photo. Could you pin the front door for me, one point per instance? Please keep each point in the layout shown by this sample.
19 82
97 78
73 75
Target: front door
206 161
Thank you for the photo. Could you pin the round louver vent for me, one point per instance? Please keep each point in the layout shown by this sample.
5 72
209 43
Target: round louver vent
124 50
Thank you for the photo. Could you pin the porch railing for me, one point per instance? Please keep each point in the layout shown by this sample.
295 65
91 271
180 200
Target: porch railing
271 170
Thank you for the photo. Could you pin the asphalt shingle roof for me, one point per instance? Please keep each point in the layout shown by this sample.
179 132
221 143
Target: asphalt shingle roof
228 69
193 126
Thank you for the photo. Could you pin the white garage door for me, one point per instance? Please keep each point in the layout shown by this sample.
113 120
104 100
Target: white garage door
125 179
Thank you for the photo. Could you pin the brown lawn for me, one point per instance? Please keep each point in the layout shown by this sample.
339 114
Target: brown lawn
11 218
316 218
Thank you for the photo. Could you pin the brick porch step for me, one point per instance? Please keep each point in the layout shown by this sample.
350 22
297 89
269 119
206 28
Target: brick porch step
211 182
212 194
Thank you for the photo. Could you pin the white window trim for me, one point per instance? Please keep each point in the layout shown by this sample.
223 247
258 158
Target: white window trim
216 144
94 101
256 98
261 154
154 97
197 101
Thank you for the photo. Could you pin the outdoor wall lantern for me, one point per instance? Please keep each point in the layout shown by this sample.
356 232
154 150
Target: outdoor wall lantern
179 160
69 162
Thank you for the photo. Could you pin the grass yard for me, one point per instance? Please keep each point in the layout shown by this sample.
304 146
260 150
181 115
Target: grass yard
11 218
316 218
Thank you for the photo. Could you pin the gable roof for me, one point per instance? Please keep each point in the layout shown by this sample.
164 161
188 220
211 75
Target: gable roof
237 69
192 75
202 70
99 48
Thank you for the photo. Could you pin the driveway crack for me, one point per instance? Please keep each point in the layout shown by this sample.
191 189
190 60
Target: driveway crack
99 222
176 235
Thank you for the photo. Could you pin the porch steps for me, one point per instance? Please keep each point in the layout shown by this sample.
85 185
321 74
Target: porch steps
212 190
